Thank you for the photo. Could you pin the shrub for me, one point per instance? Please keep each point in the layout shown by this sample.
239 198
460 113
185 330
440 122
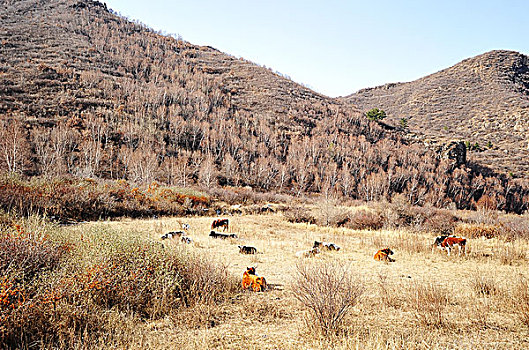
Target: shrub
365 220
299 215
25 254
107 278
486 202
87 199
328 291
330 214
477 231
514 228
434 220
375 114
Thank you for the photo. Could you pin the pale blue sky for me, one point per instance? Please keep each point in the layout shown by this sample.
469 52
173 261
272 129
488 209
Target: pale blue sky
337 47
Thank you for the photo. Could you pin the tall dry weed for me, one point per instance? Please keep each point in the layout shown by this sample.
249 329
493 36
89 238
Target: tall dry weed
521 299
429 302
328 291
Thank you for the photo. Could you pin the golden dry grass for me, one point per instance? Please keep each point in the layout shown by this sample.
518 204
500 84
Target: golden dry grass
479 312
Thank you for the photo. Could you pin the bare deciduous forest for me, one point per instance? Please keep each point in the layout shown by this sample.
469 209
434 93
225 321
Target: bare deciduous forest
87 93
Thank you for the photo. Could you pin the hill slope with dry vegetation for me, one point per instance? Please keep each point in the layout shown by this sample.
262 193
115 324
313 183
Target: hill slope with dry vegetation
483 100
87 93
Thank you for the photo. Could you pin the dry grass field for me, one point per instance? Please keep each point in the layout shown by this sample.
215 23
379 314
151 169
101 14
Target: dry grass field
423 300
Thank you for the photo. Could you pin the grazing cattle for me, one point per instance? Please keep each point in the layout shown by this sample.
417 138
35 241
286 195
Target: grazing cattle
173 234
186 227
450 242
383 255
187 240
244 249
224 223
308 253
326 245
251 280
438 241
214 234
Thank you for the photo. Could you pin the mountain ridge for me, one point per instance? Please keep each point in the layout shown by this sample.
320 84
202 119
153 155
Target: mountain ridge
483 100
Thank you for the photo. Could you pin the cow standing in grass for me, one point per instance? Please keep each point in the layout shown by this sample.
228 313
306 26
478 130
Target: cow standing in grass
224 223
450 242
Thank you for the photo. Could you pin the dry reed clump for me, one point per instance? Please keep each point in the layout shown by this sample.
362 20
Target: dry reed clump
477 230
388 295
483 285
429 302
483 216
328 291
510 254
521 300
74 300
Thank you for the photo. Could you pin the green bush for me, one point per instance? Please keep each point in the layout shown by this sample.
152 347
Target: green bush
375 114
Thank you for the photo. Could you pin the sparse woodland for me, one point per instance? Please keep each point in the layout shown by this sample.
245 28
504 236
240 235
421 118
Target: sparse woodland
86 93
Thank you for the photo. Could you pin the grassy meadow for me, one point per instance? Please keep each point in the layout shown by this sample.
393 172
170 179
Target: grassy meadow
116 284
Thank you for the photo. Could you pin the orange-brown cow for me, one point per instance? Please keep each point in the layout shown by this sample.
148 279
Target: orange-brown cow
383 255
250 280
450 242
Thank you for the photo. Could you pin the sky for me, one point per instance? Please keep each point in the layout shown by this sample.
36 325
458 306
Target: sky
338 47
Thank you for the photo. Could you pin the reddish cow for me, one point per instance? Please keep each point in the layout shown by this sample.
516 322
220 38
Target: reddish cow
450 242
224 223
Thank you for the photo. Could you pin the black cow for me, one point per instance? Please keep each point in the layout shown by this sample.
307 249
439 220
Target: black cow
244 249
214 234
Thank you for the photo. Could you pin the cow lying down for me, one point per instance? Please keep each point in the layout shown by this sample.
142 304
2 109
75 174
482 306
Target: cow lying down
244 249
326 245
173 234
308 253
383 255
214 234
251 281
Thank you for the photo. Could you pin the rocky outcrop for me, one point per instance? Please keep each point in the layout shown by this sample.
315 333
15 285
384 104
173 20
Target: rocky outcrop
455 150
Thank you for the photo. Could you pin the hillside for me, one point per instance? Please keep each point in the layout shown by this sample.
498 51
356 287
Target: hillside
87 93
481 99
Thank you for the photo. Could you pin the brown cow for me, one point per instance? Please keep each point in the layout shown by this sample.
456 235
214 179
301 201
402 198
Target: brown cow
450 242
